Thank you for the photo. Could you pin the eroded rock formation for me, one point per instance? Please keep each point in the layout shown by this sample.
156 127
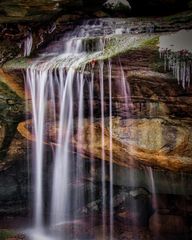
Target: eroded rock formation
156 134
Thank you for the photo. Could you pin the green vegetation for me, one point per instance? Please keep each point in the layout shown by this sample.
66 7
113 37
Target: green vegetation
5 234
152 42
18 63
179 17
8 50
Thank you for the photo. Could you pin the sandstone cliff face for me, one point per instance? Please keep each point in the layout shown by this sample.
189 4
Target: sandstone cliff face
42 10
157 133
13 167
12 111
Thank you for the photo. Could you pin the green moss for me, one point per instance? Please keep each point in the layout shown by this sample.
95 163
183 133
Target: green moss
117 45
150 43
6 93
18 63
11 106
180 17
5 234
8 50
157 66
114 46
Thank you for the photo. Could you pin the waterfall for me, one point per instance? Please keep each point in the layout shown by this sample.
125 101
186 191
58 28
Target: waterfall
150 173
103 148
38 97
111 151
179 64
61 83
28 43
92 160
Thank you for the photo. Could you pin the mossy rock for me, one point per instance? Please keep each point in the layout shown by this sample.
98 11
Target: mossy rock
8 50
18 63
183 17
5 234
117 5
11 106
116 45
151 42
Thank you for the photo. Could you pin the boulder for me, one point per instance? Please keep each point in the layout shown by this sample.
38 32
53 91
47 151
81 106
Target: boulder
80 228
116 5
184 204
167 224
135 234
172 203
156 142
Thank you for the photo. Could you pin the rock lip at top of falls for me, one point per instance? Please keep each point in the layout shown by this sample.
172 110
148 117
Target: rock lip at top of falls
115 45
44 35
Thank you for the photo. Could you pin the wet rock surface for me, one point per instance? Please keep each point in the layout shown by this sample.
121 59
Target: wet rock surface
12 111
19 10
157 133
167 224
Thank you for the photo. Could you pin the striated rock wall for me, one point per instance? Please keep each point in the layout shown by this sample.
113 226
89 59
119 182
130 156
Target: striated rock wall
158 133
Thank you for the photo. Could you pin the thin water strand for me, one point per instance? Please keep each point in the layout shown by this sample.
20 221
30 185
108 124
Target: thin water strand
38 99
101 68
111 150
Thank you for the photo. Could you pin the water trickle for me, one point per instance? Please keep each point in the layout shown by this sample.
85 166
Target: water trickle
150 176
103 147
92 160
111 150
28 43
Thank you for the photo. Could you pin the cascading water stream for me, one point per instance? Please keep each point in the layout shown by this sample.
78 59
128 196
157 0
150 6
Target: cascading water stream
61 165
150 173
111 150
38 96
92 166
103 148
79 166
57 83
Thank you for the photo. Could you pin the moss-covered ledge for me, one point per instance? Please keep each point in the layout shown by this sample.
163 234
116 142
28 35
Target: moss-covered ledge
115 46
